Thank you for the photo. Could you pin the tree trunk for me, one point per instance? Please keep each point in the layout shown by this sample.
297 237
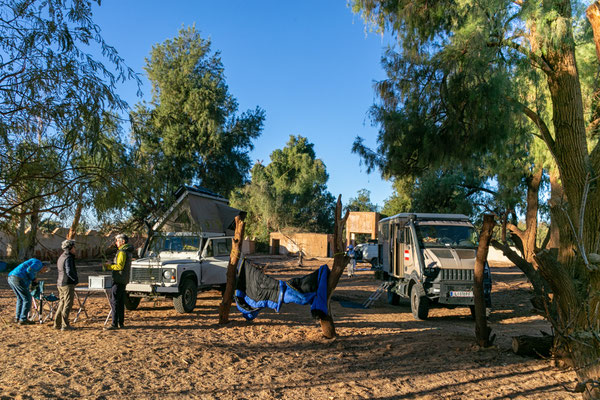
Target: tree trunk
75 223
34 220
234 258
536 346
340 260
574 284
482 332
526 240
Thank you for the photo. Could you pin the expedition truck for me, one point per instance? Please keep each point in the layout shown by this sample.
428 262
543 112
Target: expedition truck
430 259
189 251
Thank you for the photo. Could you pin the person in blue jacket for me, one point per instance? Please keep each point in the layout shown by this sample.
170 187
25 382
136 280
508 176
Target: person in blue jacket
19 280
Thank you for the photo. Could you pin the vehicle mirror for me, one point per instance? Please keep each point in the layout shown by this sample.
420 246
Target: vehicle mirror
140 252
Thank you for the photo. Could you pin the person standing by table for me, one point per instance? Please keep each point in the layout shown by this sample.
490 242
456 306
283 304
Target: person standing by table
19 280
120 277
67 280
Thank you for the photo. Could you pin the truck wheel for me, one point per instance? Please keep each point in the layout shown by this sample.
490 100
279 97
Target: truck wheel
393 298
186 301
419 305
131 303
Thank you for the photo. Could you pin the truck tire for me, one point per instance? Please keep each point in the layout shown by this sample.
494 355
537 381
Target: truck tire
419 305
131 303
186 301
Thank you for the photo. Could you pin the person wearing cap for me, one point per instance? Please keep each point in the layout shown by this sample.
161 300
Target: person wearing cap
20 280
67 280
352 266
120 268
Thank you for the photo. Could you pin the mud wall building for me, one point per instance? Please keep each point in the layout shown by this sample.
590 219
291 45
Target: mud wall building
311 244
361 222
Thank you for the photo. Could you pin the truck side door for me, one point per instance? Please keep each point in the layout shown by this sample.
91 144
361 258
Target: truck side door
215 260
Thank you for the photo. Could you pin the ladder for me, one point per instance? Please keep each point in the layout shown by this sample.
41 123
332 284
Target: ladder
377 294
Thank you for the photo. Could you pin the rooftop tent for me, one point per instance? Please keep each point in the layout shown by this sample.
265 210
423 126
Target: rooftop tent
199 210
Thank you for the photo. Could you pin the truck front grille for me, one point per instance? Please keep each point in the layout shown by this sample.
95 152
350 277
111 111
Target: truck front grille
457 275
145 274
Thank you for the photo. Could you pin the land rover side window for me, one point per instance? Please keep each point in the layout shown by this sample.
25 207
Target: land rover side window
446 236
221 247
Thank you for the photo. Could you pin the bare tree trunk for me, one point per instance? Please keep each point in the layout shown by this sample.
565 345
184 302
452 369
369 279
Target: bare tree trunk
75 223
340 260
593 15
482 332
34 220
234 258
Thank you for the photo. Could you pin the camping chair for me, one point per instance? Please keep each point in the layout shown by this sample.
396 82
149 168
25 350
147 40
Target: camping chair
42 305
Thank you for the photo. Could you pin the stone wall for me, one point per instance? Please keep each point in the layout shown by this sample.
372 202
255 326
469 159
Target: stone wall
91 245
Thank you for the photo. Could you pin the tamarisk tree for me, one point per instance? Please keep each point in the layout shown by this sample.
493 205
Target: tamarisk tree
455 89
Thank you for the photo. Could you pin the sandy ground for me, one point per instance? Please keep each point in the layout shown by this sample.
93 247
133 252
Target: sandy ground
380 352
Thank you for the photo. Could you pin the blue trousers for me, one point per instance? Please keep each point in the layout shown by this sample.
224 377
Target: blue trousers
21 289
117 304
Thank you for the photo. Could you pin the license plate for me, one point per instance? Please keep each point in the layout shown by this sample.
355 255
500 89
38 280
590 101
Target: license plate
461 293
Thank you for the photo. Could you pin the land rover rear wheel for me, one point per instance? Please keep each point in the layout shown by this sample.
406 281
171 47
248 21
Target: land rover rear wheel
419 305
186 301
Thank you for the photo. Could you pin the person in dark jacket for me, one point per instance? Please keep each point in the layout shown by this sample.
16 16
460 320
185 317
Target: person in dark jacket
120 268
20 280
67 280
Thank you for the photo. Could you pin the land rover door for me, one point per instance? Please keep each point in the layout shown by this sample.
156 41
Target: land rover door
214 261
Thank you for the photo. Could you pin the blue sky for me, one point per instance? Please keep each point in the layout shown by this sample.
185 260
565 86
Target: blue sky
310 65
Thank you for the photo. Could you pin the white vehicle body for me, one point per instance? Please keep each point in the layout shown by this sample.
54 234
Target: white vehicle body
368 252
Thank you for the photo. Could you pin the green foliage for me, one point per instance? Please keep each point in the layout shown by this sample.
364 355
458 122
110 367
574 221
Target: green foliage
53 97
190 132
400 201
453 100
289 192
362 202
441 191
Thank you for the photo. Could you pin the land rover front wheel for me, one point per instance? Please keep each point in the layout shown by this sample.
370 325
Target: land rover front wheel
131 303
186 301
419 305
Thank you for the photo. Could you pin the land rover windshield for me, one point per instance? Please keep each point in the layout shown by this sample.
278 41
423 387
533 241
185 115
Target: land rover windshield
438 235
174 243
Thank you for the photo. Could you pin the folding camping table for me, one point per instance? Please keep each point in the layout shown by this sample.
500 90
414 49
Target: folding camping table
86 290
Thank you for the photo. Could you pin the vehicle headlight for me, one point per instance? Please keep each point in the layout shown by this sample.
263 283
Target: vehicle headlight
169 275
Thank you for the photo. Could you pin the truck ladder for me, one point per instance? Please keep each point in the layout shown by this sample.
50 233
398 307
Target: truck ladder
377 294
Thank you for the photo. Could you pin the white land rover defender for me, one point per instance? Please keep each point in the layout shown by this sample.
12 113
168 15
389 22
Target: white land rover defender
430 259
188 253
